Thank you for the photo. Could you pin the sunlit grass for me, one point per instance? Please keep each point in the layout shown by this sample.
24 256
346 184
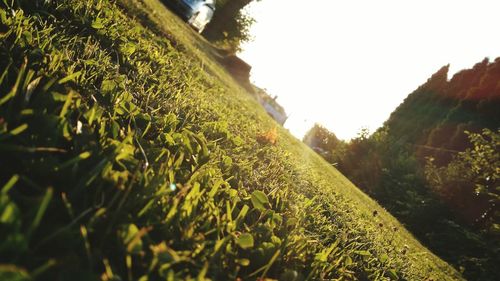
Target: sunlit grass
128 152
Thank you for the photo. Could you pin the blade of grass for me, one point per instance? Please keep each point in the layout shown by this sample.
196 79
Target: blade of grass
12 181
41 211
266 267
69 77
14 132
43 268
15 88
74 160
84 233
67 103
19 148
4 74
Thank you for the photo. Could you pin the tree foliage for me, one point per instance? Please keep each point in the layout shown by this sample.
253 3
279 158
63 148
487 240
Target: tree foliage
230 26
473 173
322 141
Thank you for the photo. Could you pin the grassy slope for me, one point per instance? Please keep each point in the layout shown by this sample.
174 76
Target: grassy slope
154 94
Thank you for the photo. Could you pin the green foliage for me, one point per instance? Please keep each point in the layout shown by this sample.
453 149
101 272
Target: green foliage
245 241
474 172
259 200
435 116
234 33
323 141
230 27
422 199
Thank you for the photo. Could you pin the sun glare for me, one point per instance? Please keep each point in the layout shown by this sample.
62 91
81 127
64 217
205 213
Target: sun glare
349 64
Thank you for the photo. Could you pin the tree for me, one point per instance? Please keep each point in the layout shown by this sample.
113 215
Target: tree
470 181
322 141
229 26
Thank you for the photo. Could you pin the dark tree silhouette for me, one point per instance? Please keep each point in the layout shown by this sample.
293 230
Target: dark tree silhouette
225 18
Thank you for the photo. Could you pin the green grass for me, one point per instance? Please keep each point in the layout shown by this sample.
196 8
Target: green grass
128 153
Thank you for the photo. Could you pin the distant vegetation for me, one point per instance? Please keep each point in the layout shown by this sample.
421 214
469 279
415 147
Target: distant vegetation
435 164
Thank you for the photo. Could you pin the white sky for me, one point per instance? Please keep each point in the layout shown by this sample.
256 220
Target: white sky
348 64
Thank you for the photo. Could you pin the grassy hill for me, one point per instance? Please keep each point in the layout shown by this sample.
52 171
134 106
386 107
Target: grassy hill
128 153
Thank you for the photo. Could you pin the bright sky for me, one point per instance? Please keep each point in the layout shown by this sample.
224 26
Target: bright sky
348 64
